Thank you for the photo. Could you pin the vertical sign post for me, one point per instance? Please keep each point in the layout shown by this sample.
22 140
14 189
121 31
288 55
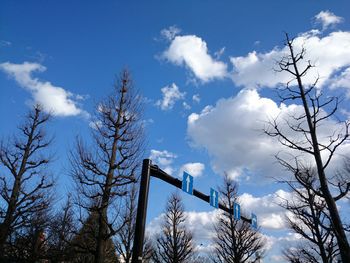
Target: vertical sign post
141 212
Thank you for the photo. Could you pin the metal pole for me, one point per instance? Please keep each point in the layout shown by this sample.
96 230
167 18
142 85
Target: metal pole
141 212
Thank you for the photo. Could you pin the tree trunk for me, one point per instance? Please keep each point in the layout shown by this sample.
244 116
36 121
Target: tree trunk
102 237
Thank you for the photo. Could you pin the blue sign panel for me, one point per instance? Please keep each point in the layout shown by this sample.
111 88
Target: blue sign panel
237 211
187 183
254 221
214 198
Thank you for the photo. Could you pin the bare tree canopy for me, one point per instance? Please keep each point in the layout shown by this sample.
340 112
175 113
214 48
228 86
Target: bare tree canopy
103 169
300 133
310 219
235 241
24 178
174 244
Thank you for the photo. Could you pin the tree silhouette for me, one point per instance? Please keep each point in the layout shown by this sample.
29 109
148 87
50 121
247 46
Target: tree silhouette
103 169
24 179
305 125
310 219
174 244
235 241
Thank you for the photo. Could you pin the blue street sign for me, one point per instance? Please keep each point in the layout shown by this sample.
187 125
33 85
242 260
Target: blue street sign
237 211
187 183
214 198
254 221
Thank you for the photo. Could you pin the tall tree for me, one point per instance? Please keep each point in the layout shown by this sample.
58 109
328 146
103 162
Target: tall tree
306 126
235 241
24 179
310 219
174 244
103 169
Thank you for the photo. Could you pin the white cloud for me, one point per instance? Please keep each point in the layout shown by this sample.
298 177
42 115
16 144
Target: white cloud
170 32
232 133
270 214
201 223
54 99
342 81
196 98
194 169
276 244
163 159
192 51
186 106
171 94
329 54
327 19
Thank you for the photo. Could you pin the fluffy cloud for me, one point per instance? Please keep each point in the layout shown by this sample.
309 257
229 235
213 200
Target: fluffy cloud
329 54
342 81
54 99
171 94
192 52
327 19
232 133
270 214
164 159
194 169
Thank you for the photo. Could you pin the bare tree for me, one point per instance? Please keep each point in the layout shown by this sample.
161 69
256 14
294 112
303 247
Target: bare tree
125 237
60 233
103 169
310 219
24 179
235 241
306 125
174 244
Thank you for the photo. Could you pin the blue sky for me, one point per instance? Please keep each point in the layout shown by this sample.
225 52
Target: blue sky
205 69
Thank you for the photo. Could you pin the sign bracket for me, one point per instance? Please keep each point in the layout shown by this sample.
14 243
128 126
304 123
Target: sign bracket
149 170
